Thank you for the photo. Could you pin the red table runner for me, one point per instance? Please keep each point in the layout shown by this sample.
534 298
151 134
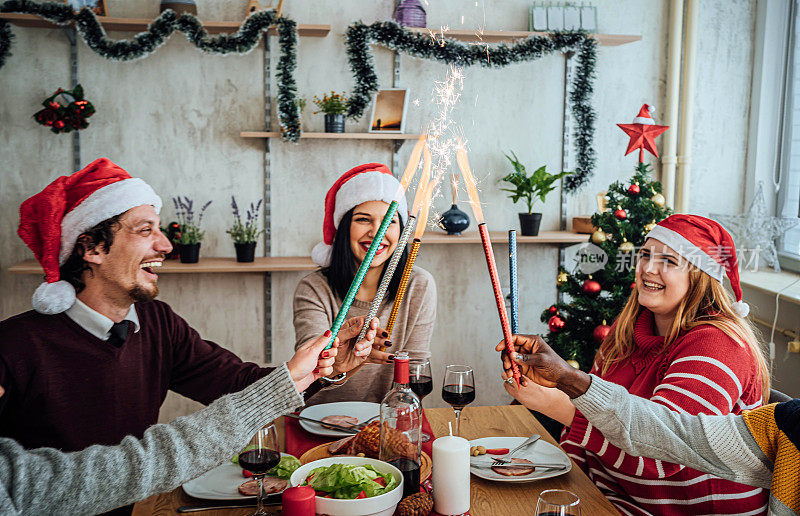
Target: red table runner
298 441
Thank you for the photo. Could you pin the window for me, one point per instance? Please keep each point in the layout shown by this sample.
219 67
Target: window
788 174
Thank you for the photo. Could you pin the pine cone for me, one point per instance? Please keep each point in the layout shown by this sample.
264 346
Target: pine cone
367 441
419 504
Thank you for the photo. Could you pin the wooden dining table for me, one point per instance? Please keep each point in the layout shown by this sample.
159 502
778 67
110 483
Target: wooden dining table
487 498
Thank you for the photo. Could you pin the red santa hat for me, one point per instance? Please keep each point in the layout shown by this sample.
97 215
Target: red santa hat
705 244
645 117
368 182
52 220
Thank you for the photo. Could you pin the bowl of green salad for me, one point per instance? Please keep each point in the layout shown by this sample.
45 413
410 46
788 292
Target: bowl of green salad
352 486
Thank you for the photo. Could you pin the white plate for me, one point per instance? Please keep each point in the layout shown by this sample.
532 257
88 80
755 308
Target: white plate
540 451
361 410
221 483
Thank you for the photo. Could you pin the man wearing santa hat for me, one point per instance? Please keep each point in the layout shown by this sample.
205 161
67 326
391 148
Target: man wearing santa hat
94 360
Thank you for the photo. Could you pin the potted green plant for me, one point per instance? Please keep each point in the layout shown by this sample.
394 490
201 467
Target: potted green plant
245 234
191 233
334 106
537 185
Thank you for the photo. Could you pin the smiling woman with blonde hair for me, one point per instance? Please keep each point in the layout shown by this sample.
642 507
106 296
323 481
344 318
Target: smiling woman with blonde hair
354 208
680 341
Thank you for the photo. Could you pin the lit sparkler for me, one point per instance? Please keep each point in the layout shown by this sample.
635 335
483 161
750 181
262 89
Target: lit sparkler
474 201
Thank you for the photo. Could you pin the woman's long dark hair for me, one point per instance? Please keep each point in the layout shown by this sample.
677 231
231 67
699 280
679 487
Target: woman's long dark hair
343 267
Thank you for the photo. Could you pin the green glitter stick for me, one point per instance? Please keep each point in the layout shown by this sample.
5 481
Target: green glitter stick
362 271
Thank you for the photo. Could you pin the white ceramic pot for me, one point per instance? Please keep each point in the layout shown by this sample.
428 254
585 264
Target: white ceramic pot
381 505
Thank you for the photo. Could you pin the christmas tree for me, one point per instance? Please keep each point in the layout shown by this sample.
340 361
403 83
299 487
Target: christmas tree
578 325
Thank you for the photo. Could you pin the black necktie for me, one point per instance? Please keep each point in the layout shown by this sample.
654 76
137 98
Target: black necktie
119 333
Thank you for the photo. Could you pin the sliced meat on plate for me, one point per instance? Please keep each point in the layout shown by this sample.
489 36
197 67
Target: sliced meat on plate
340 445
514 471
274 485
271 485
249 488
346 421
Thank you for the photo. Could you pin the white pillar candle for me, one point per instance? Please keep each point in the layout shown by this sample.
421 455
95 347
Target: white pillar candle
451 475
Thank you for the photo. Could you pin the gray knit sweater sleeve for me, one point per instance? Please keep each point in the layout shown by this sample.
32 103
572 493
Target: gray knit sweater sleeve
720 445
100 478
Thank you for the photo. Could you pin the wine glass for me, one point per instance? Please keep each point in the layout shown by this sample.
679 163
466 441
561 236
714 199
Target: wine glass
557 502
458 389
259 456
421 382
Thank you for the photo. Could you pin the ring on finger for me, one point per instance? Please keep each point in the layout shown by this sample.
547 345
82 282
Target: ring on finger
509 380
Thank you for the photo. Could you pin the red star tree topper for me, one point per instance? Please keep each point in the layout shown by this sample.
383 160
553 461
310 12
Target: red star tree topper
643 132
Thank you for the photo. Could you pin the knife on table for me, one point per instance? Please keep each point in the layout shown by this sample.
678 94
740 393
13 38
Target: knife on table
325 425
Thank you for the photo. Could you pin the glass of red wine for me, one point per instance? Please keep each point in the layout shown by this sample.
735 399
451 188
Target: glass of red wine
458 389
260 456
421 382
557 502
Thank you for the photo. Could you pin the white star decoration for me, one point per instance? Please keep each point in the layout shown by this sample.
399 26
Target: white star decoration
756 230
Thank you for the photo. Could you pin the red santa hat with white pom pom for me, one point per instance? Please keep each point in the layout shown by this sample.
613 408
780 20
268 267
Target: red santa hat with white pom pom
705 244
52 220
368 182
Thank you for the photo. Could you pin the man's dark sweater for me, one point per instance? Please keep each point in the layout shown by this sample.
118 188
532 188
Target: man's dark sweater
67 389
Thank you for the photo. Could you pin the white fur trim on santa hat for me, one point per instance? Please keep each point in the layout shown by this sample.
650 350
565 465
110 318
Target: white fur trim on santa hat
692 253
369 186
741 308
103 204
321 254
53 298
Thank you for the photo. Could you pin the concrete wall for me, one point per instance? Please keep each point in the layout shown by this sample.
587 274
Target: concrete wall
174 119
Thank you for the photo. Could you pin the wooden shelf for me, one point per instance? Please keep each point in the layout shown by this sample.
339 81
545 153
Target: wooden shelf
473 237
140 24
207 265
506 36
304 263
335 136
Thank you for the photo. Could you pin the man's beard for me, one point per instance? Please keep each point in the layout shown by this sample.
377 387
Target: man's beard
140 295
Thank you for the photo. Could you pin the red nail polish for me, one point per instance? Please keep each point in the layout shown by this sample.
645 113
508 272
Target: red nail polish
327 333
324 354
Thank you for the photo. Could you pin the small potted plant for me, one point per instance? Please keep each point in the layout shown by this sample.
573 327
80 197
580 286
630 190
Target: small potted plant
334 106
245 234
191 233
538 185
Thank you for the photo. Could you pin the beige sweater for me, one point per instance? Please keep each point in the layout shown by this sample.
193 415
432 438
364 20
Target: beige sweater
315 307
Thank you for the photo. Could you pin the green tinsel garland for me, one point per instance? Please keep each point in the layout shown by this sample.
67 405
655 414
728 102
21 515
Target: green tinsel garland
391 35
160 29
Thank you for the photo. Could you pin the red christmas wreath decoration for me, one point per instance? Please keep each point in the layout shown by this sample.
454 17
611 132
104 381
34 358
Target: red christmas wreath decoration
65 111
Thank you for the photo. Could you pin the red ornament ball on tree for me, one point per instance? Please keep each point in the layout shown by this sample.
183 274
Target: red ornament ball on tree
553 310
591 287
621 214
601 332
556 324
633 285
58 124
634 189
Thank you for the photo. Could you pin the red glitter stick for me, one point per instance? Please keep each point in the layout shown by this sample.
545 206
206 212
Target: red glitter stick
498 297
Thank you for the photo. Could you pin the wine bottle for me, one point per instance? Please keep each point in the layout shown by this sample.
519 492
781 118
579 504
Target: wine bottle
401 427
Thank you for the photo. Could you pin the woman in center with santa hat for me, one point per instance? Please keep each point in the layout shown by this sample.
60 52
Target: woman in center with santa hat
680 341
354 208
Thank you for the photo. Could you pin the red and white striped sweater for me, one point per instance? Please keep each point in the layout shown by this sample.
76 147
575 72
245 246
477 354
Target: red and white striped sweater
703 372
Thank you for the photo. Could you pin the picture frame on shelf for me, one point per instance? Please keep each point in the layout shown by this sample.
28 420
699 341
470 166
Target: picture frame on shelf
98 7
389 111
